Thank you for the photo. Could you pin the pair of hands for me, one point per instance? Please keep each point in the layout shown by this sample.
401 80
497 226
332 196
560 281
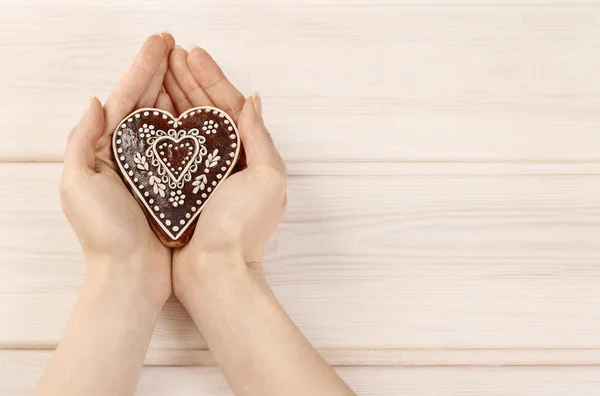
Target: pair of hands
234 225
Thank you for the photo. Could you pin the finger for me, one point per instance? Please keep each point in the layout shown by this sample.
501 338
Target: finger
178 97
256 140
132 86
81 144
151 94
164 102
214 83
178 63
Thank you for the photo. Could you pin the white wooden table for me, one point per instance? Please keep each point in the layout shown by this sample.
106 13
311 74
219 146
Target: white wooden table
443 231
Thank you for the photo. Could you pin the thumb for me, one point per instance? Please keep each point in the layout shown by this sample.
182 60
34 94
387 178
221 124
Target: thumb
83 139
256 140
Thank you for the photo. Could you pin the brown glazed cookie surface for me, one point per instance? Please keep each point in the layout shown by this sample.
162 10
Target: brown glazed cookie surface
173 165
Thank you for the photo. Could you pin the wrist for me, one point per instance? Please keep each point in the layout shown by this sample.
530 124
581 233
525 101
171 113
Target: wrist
205 270
127 279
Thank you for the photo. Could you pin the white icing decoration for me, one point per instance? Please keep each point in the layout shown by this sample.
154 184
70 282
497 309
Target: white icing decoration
140 160
168 222
199 183
157 186
212 158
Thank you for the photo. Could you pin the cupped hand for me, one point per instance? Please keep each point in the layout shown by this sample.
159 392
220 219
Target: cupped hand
244 210
110 225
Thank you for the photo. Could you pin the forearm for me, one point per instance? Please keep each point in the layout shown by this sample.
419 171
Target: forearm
254 341
106 340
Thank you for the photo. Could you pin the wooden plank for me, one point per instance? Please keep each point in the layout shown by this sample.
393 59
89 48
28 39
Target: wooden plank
427 261
20 371
361 81
408 357
314 3
379 169
401 357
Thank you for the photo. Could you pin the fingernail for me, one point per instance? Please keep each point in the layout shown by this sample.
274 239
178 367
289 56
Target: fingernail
191 47
257 103
178 46
87 106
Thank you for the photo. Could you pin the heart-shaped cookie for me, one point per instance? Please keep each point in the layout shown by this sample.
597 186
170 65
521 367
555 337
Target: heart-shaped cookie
174 165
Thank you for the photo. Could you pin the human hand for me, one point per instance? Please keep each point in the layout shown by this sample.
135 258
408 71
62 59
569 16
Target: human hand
114 234
243 212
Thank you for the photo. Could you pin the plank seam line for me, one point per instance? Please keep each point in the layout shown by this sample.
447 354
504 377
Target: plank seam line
476 357
381 162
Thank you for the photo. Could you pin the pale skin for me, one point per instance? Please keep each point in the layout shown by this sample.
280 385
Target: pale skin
218 276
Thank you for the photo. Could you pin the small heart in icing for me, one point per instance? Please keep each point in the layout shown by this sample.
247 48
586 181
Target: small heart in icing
176 155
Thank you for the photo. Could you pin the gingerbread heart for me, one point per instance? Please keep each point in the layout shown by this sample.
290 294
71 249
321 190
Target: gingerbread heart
173 165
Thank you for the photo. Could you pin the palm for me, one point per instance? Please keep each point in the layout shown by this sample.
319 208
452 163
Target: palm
216 224
114 206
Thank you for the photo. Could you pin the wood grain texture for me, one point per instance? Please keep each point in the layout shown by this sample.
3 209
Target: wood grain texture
352 81
397 357
20 371
430 261
407 357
